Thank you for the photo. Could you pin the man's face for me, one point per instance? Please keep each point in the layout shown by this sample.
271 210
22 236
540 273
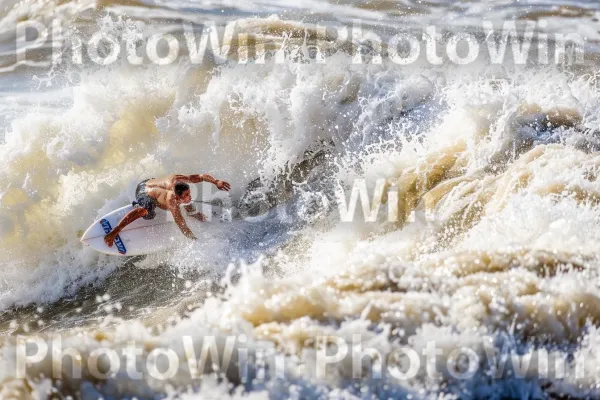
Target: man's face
186 197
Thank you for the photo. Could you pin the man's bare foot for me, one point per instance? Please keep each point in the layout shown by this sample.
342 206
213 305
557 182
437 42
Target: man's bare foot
109 239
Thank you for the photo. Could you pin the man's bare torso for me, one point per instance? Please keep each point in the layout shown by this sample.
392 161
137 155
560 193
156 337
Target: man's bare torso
161 189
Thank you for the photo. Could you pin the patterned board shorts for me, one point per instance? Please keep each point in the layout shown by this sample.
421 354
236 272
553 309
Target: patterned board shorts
143 200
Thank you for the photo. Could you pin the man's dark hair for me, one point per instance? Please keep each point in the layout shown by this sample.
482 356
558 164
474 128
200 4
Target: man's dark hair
180 188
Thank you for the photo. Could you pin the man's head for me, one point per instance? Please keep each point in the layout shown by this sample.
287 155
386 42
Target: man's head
182 191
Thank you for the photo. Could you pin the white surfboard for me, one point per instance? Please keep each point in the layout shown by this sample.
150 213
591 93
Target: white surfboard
140 237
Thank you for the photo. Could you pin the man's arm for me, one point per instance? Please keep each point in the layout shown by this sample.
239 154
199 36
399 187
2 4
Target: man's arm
197 178
194 178
180 221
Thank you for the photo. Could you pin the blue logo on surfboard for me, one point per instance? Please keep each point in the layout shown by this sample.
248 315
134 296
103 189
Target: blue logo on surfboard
107 228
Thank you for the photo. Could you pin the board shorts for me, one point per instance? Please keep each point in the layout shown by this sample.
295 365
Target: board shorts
143 200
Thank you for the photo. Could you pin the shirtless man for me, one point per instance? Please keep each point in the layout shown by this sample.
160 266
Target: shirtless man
168 193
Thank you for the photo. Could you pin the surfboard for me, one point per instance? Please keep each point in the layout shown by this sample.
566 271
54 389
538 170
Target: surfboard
138 238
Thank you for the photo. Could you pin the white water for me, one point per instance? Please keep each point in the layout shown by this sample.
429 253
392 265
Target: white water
496 242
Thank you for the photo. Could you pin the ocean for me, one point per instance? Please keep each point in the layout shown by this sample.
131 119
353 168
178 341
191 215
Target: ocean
416 184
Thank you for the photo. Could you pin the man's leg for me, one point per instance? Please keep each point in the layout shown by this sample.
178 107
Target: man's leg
131 216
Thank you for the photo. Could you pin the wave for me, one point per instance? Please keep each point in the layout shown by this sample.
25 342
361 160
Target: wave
496 239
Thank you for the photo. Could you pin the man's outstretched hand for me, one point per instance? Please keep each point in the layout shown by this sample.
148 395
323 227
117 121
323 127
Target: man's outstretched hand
222 185
200 217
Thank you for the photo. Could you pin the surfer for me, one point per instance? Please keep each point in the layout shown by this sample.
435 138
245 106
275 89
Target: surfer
168 193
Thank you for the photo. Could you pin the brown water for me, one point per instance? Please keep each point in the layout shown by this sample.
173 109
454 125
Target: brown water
493 247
